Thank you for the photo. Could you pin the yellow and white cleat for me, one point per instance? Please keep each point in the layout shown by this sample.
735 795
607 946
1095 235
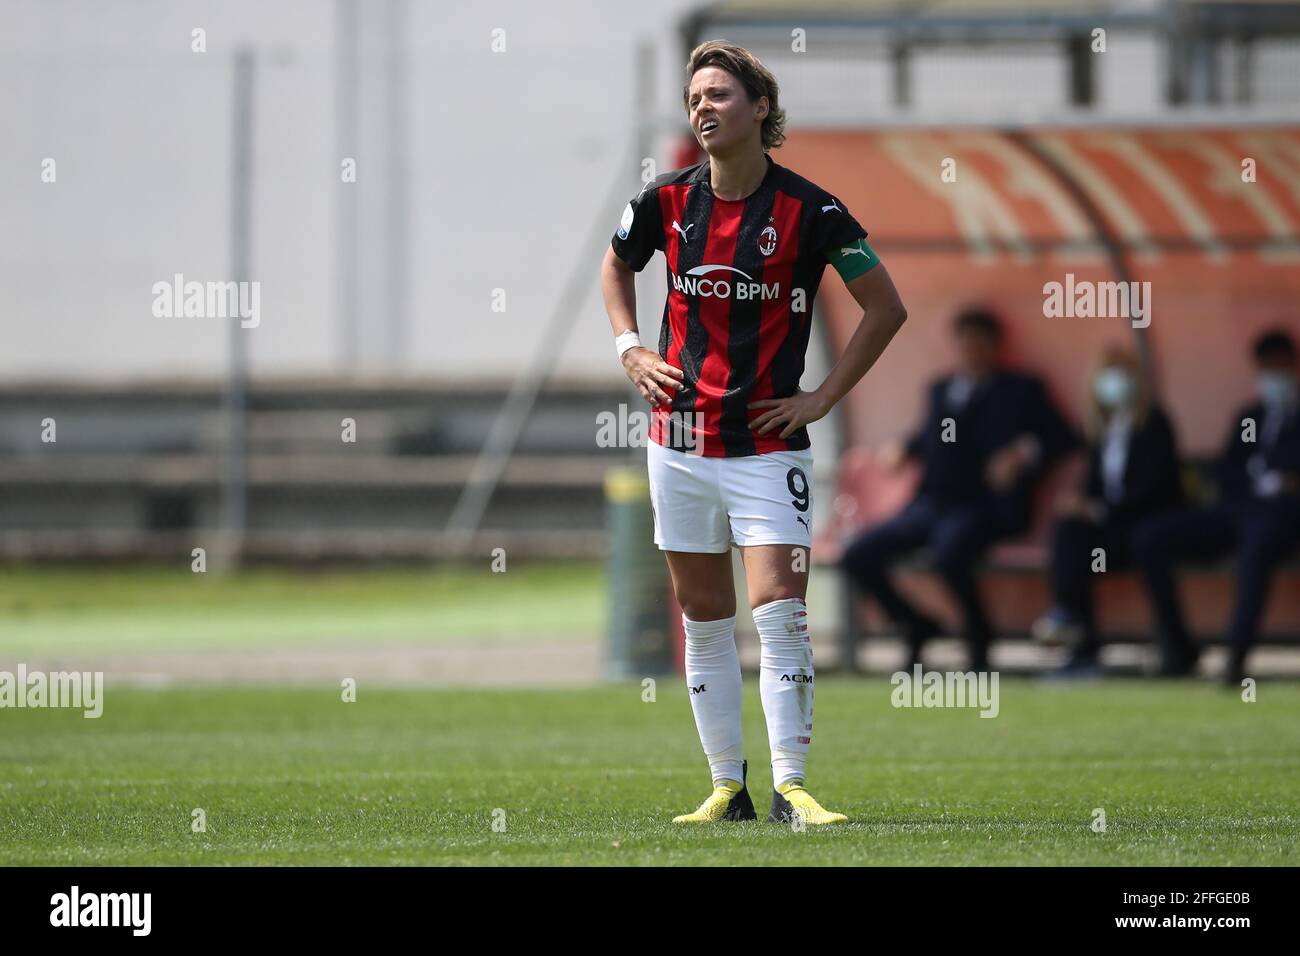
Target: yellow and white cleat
791 798
729 801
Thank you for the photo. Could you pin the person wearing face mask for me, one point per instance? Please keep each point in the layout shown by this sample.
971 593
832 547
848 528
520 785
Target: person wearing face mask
989 434
1132 475
1257 512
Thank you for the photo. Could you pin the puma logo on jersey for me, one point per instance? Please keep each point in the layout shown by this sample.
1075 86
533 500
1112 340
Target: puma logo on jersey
832 206
854 250
678 227
799 518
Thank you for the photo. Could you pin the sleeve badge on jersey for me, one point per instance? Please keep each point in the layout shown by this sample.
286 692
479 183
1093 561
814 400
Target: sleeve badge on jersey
626 222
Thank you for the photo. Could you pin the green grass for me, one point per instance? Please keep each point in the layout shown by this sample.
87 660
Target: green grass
134 608
1187 774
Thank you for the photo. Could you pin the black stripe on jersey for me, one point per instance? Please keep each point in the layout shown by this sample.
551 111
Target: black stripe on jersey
665 330
699 206
788 363
745 319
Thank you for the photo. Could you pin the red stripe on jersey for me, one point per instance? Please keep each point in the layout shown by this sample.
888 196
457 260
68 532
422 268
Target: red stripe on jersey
774 324
672 205
715 317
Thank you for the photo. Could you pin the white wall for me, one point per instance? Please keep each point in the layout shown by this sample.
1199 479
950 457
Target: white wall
510 161
511 157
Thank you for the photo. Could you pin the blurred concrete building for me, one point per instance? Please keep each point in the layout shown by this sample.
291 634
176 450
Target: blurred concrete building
490 150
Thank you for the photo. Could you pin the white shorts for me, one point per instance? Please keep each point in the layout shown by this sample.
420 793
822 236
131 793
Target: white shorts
706 505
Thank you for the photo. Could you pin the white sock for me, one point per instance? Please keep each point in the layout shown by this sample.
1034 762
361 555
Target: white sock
786 685
713 684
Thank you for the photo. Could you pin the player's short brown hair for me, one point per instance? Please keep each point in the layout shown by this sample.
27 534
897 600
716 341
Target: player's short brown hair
753 76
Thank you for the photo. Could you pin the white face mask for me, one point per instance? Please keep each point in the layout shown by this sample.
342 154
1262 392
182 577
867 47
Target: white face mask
1275 388
1114 388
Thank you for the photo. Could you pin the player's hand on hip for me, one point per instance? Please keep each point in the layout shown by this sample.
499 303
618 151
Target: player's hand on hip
789 414
652 376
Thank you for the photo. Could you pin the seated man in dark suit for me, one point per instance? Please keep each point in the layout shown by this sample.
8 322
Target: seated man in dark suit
988 435
1133 475
1257 511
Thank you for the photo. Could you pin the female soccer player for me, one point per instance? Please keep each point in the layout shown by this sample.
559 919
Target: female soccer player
745 243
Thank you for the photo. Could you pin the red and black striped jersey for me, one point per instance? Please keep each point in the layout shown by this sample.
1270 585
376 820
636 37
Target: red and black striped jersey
742 277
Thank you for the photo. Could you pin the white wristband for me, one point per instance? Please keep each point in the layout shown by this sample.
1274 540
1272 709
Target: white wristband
625 341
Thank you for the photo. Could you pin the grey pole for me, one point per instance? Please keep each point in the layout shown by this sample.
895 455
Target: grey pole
396 99
234 489
644 106
467 515
347 234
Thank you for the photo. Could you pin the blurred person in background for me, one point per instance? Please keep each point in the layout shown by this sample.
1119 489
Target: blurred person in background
988 435
1257 512
1132 475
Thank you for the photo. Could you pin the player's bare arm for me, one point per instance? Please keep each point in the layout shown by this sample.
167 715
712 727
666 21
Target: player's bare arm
883 315
648 372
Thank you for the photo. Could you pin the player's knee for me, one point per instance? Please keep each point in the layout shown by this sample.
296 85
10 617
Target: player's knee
773 593
706 606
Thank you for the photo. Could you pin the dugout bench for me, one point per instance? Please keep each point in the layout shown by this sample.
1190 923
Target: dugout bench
1013 576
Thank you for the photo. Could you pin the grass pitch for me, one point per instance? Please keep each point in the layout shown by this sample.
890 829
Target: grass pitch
1186 774
110 608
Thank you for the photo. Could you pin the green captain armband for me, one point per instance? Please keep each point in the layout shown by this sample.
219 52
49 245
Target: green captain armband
853 260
